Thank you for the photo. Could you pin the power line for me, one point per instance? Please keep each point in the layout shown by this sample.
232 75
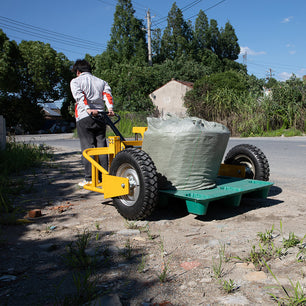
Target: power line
78 45
106 2
164 19
190 5
24 28
59 48
211 7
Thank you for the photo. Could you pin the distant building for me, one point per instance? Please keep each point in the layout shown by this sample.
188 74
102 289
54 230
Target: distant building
170 98
51 111
267 92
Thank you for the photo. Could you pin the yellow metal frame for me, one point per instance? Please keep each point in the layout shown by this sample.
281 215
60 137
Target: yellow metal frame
114 186
232 170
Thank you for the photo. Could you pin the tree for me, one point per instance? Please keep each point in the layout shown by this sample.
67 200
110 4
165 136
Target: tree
9 60
42 72
214 37
217 96
128 39
30 73
201 38
177 36
156 45
228 45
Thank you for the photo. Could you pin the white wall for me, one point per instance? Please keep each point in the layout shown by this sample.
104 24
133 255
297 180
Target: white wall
170 98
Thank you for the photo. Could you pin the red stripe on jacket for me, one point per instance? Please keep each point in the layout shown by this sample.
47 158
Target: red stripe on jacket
108 97
76 106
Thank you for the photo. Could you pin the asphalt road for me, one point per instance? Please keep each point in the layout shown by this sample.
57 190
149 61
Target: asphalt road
286 155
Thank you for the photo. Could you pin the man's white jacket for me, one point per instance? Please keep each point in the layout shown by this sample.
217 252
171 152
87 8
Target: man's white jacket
90 92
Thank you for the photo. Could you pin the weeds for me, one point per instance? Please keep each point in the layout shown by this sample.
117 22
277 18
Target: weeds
142 264
128 249
301 255
267 236
97 224
86 289
228 286
131 224
149 234
291 241
76 256
218 263
14 159
257 255
163 275
164 272
293 296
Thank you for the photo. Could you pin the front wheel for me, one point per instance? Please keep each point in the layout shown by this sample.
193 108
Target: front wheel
254 160
138 167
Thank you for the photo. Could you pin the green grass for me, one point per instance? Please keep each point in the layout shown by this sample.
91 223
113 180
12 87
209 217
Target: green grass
127 122
76 256
294 295
244 127
16 157
282 132
21 156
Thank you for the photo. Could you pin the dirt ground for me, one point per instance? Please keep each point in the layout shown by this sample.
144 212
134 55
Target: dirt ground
173 258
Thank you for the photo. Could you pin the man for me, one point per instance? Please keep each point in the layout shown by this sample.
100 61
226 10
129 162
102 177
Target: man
90 94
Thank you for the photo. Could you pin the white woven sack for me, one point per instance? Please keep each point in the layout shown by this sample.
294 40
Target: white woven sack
186 152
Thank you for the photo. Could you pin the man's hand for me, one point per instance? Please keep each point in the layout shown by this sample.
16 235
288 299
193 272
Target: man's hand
94 112
111 112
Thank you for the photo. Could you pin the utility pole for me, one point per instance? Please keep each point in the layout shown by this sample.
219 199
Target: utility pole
149 37
269 74
245 61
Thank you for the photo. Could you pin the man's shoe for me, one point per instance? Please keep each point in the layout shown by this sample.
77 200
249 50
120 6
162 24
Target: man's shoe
83 183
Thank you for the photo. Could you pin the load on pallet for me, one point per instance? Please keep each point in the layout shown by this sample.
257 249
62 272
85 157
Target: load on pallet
176 157
187 152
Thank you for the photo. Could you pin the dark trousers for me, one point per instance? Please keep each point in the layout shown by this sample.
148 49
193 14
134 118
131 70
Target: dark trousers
92 135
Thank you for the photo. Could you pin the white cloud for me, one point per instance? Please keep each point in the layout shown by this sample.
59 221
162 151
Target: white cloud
302 71
287 19
290 46
249 51
284 76
292 52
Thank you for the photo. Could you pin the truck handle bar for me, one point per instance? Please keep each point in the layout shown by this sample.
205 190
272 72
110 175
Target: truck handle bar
103 118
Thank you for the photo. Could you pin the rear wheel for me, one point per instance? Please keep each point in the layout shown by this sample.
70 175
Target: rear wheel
254 160
138 167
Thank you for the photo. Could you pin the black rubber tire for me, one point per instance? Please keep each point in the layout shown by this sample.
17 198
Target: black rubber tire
255 161
140 169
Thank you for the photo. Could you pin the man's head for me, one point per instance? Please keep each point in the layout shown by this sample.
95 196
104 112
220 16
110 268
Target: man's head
81 66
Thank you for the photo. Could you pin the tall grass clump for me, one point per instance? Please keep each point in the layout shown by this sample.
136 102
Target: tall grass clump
17 157
21 156
128 121
239 102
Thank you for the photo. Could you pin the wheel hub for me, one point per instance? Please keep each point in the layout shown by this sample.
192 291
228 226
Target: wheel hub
249 165
126 170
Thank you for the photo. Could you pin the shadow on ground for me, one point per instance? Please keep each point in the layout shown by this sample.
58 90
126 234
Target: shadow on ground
40 266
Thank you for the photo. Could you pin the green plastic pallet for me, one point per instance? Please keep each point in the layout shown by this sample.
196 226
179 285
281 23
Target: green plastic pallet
229 190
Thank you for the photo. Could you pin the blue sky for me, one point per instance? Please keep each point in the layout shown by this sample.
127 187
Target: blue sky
271 33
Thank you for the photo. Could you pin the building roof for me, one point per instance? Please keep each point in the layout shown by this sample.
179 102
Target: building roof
188 84
51 112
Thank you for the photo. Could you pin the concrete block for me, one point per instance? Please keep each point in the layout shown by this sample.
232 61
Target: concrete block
2 133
